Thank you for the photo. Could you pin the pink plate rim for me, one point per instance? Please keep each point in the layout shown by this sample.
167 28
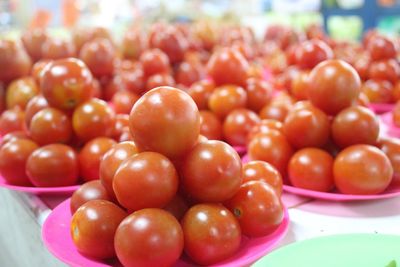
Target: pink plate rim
55 227
381 107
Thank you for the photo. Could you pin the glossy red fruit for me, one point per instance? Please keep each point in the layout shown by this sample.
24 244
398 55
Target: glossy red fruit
237 126
385 70
210 125
33 41
20 91
189 72
12 120
258 170
154 61
259 93
201 91
264 126
225 99
123 101
158 80
381 47
88 191
14 60
309 53
378 91
391 147
34 105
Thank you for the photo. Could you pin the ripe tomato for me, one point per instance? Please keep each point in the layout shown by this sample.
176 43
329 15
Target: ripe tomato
257 207
309 53
14 60
177 207
264 126
237 126
149 237
154 61
274 111
385 70
88 191
20 91
395 115
50 125
13 136
12 120
226 98
133 44
158 80
299 86
396 92
66 83
333 86
378 91
228 66
258 170
90 156
272 147
259 93
362 170
355 125
211 233
307 126
37 69
381 47
53 165
93 227
36 104
210 125
92 119
58 49
391 147
201 91
311 168
123 101
99 55
189 72
211 172
13 157
145 180
33 41
165 120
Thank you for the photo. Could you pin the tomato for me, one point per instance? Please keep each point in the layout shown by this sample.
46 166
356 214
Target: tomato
226 98
90 156
53 165
158 80
206 33
385 70
378 91
88 191
149 237
362 66
307 126
123 101
58 49
50 125
257 207
381 47
201 91
37 69
355 125
145 180
264 126
274 111
311 168
211 172
165 120
237 126
14 61
13 136
211 126
395 115
396 92
92 119
154 61
228 66
33 41
334 85
272 147
13 157
211 233
177 207
2 97
362 170
132 81
189 72
12 120
309 53
66 83
93 227
20 91
99 55
391 147
120 125
34 105
299 86
259 93
133 44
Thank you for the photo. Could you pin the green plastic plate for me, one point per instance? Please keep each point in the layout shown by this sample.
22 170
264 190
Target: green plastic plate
355 250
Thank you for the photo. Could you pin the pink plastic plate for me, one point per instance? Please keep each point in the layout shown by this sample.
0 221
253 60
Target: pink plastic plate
380 108
56 237
241 150
39 190
390 192
392 130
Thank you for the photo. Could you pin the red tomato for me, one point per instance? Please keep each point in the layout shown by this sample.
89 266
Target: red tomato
111 161
13 157
58 49
228 66
226 98
20 91
34 105
93 227
165 120
259 93
12 120
88 191
334 85
257 207
311 168
309 53
385 70
14 61
355 125
272 147
53 165
274 112
149 237
177 207
211 233
33 41
307 126
395 114
237 126
123 101
13 136
396 92
154 61
189 72
381 47
158 80
391 147
133 44
211 126
201 91
378 91
299 86
211 172
258 170
92 119
90 156
362 170
66 83
264 126
145 180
